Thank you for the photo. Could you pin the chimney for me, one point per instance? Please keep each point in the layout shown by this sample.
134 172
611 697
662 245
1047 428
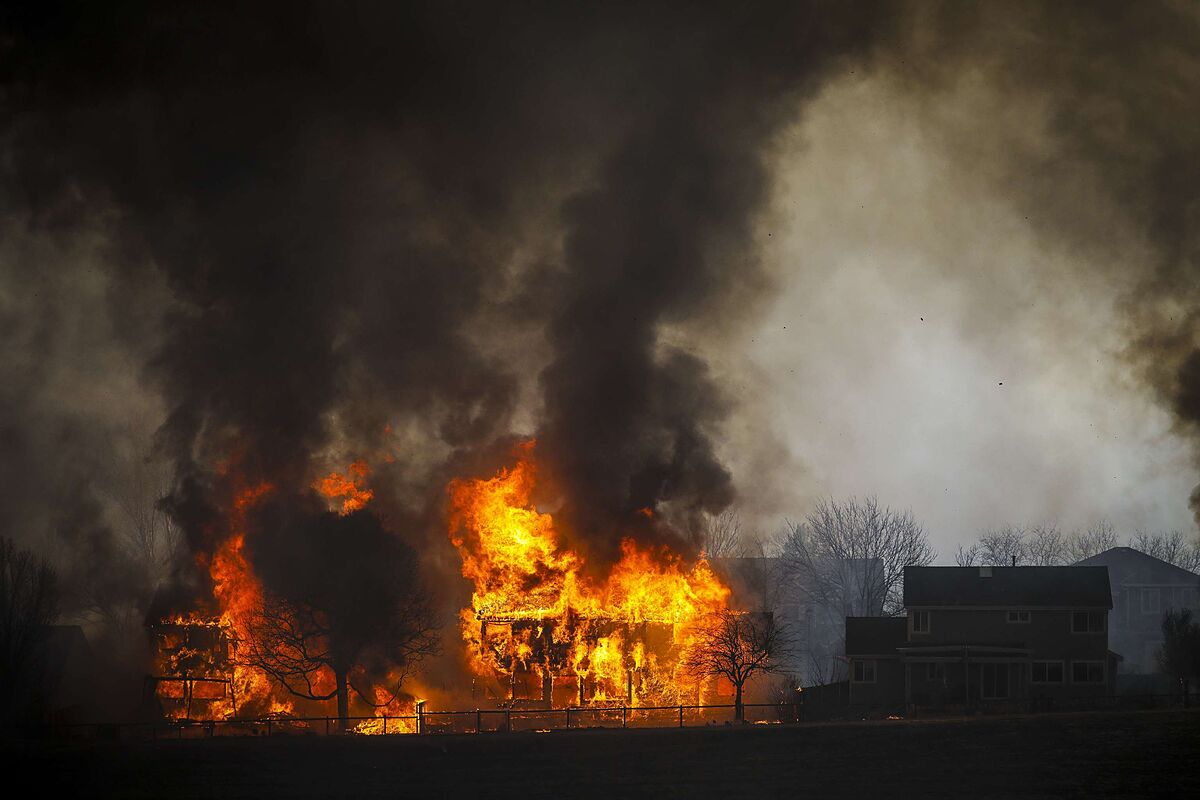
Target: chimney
1014 559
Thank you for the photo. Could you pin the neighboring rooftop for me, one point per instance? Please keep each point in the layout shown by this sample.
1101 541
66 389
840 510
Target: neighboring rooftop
1079 586
874 636
1139 567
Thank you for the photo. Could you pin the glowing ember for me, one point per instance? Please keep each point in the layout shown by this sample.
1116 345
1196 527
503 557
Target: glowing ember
556 637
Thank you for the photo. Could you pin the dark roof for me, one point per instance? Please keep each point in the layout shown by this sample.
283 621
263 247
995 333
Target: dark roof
1127 565
1007 586
873 636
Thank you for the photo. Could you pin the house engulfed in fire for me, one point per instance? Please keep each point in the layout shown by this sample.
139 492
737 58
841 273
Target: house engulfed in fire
193 668
541 632
554 664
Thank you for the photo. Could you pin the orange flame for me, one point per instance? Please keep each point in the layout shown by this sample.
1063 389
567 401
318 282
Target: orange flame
349 487
535 613
216 685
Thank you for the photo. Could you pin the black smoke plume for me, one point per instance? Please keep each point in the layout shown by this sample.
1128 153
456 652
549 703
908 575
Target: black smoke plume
416 231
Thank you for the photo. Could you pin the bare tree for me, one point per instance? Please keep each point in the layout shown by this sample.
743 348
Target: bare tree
1172 547
737 646
151 534
349 608
851 556
1041 545
316 654
29 601
721 536
969 556
1045 546
1002 547
1096 539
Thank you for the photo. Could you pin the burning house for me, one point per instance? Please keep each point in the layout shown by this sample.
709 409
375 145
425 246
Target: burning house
193 668
542 631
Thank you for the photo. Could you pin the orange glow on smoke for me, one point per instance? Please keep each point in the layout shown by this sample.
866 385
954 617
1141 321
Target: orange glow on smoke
348 488
534 611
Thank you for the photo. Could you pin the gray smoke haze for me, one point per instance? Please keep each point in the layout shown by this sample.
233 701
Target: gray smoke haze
986 272
289 237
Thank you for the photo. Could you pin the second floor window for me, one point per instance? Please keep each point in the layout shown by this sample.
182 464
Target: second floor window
1087 622
920 622
864 671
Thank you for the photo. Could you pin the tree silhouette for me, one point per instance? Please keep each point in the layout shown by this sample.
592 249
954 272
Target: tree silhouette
342 606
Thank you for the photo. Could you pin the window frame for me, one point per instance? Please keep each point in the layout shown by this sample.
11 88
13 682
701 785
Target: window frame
863 663
1154 592
1004 667
1088 662
1009 618
1062 672
1089 616
912 623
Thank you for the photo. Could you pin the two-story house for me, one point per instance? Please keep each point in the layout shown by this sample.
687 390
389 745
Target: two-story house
974 634
1143 588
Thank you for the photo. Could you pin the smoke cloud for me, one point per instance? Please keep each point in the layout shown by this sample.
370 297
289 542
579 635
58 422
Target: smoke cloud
281 238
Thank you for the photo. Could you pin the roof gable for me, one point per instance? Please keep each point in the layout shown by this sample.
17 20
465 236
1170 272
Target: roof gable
1007 586
1128 565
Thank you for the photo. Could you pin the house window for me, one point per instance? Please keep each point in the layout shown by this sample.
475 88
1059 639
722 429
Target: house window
920 622
864 671
1087 622
935 671
1150 601
1018 616
1087 672
995 681
1046 672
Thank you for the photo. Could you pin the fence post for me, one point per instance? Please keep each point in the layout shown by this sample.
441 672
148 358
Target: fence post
508 720
268 726
568 718
421 716
327 726
477 721
385 724
681 716
624 715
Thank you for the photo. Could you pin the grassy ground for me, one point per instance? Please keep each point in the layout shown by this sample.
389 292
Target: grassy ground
1129 754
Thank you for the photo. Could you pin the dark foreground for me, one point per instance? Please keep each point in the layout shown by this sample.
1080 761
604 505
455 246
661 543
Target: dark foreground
1130 754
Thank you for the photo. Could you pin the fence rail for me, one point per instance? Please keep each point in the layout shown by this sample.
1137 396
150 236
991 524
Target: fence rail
512 720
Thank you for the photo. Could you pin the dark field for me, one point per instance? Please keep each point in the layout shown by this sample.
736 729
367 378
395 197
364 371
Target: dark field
1145 754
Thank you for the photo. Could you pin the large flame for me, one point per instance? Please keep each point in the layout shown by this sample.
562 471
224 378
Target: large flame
537 619
198 653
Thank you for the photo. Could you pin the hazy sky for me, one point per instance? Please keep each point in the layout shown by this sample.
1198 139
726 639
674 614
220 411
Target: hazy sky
926 345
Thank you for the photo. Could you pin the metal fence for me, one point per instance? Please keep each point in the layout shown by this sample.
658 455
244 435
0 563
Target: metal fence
514 720
496 720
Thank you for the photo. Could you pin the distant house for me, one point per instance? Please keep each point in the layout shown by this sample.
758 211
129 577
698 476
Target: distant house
975 634
1143 587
